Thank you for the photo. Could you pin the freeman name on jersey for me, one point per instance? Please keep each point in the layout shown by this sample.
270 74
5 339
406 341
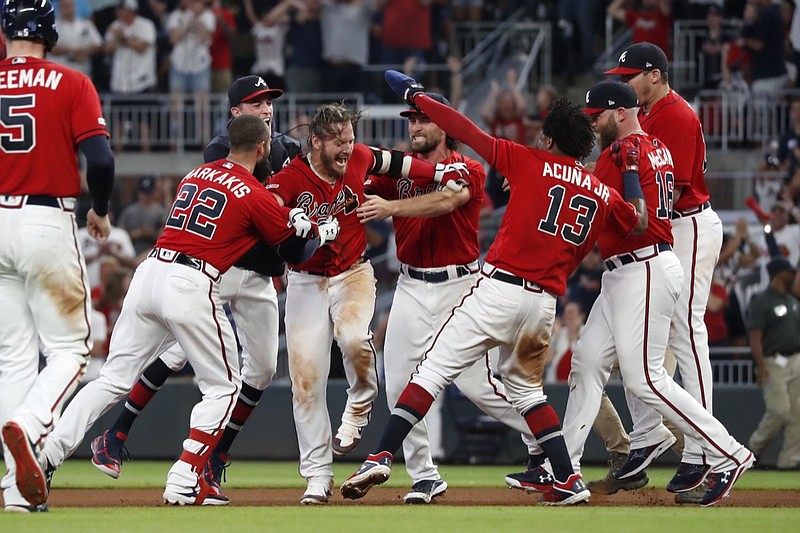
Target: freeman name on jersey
234 184
576 175
30 77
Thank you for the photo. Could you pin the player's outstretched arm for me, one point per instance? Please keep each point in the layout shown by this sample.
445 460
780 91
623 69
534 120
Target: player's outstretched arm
451 121
100 179
396 164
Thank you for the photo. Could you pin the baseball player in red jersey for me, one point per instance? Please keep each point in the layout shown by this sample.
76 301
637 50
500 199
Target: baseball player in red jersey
436 232
630 320
332 296
46 111
697 232
556 211
219 212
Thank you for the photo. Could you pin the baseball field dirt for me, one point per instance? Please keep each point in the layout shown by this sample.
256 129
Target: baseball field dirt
651 497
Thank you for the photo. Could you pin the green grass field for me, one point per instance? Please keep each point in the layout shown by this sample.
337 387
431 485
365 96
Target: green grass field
355 518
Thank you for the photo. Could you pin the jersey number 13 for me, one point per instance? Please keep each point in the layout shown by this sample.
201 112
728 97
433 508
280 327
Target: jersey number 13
585 208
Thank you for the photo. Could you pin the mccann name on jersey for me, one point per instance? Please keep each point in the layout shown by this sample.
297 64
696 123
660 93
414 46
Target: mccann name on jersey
233 184
576 175
660 157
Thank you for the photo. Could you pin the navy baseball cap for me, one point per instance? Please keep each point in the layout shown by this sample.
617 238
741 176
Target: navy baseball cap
434 96
249 87
609 95
778 265
640 57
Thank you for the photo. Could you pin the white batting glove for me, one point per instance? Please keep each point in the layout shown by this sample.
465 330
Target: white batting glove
328 230
453 175
300 222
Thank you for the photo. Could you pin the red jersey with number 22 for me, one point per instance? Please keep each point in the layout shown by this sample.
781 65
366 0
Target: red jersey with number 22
554 216
656 178
220 212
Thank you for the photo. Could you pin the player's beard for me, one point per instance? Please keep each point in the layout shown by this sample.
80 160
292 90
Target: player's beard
329 165
608 134
427 146
263 169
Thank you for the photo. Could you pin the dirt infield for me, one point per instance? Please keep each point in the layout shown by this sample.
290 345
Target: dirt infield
650 497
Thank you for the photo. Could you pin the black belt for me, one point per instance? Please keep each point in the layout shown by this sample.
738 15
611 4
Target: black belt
186 260
691 211
436 276
512 279
47 201
15 202
627 259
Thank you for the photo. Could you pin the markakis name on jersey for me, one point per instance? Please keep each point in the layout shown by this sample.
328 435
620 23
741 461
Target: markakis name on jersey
578 176
232 183
30 77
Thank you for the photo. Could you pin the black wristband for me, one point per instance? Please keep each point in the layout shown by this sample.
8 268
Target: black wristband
633 189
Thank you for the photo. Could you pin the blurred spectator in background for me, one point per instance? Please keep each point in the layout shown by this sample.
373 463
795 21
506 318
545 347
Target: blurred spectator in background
735 58
109 302
405 32
545 96
738 269
576 19
788 153
269 31
651 23
765 44
711 47
303 46
787 236
131 41
144 219
467 10
774 322
696 9
715 313
503 110
78 39
566 332
221 59
583 286
118 245
345 43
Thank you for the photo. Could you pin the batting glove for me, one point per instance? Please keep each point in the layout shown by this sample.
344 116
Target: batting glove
328 230
405 87
453 175
300 222
625 154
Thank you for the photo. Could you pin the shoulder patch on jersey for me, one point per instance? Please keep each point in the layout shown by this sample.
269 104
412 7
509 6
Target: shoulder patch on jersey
272 186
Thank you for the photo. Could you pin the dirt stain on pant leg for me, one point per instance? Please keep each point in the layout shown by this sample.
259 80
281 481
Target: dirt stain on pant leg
304 376
530 353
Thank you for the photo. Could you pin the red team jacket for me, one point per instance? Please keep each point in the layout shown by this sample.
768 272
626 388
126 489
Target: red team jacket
220 212
656 178
450 239
675 123
555 214
45 111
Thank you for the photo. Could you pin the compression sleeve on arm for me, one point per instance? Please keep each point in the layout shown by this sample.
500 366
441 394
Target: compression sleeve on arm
99 171
633 189
296 250
458 126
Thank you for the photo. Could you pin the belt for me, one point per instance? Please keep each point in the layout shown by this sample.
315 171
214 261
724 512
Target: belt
171 256
691 211
325 273
438 276
15 202
637 255
492 272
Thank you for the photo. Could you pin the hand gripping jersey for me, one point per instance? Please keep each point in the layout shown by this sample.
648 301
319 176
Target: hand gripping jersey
214 203
656 175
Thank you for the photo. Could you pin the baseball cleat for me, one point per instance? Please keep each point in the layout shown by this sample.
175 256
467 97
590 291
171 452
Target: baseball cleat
611 485
317 492
425 491
41 508
721 483
374 471
347 438
214 472
31 481
107 452
571 492
199 495
640 458
693 496
535 479
688 477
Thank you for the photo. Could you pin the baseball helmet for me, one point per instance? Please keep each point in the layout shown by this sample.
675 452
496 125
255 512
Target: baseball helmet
30 20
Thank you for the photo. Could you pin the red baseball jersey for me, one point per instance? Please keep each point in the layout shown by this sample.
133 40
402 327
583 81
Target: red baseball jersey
45 110
220 212
656 178
674 122
450 239
299 186
555 214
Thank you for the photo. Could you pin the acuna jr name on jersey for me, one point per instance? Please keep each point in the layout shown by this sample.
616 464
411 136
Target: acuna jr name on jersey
576 175
232 183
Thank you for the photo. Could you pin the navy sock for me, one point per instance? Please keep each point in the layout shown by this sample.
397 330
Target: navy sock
245 403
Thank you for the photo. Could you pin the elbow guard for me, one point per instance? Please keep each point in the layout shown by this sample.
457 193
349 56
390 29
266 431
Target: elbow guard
394 163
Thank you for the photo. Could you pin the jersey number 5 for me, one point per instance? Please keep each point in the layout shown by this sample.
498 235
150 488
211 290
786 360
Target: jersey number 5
585 208
23 136
197 217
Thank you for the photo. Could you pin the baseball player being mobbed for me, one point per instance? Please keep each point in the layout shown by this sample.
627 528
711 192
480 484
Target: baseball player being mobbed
219 212
47 111
630 321
555 213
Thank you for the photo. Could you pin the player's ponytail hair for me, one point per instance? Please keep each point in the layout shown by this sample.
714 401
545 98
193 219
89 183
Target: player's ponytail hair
570 128
330 119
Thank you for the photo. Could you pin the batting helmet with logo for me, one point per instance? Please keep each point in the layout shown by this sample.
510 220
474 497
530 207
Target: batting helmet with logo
30 20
